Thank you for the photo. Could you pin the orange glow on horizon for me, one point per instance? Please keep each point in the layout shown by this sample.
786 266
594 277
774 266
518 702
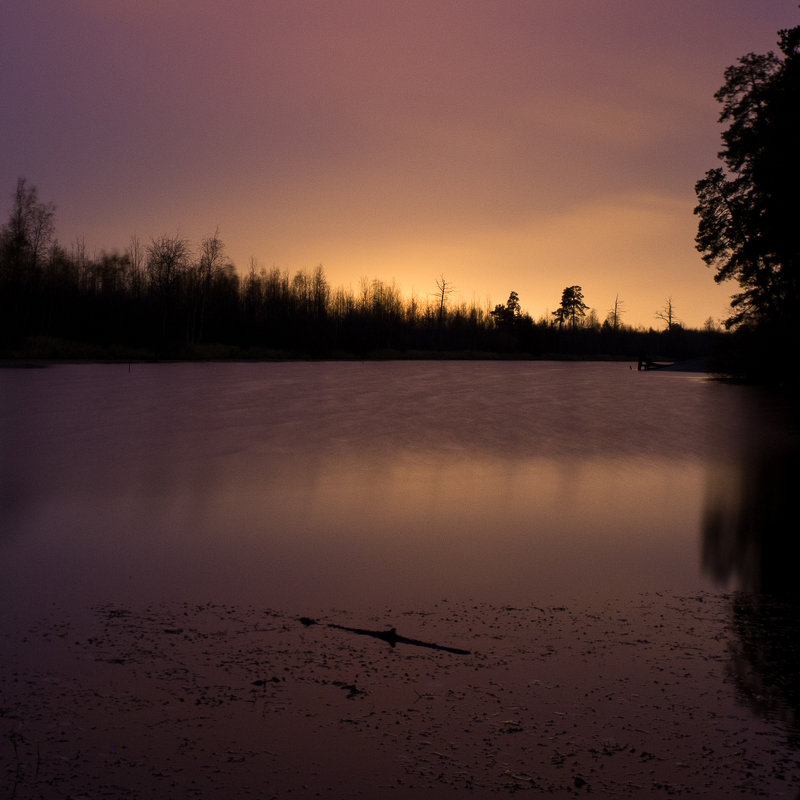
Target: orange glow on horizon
524 148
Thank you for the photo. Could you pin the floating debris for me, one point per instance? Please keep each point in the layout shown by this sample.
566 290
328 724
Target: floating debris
391 636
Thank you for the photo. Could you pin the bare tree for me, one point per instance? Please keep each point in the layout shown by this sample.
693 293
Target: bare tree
136 256
211 263
81 262
364 293
168 260
320 292
254 290
30 229
614 316
445 290
667 315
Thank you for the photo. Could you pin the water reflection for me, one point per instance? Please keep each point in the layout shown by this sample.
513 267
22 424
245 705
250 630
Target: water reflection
313 485
765 658
750 542
751 522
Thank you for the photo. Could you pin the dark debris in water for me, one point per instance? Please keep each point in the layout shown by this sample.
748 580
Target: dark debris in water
390 636
634 700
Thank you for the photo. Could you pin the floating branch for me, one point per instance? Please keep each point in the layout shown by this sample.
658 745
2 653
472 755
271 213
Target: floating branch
391 636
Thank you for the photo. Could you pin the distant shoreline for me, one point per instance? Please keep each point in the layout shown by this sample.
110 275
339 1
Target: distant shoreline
44 352
22 362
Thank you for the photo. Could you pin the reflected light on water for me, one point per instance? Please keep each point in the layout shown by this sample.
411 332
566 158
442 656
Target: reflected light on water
324 484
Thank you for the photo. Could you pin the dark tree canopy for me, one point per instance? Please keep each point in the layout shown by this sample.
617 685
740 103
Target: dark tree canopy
749 223
572 307
508 314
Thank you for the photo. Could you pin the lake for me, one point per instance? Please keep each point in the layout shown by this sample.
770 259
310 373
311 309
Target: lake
307 485
588 567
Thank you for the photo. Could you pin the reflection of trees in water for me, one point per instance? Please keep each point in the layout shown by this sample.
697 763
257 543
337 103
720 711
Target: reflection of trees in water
765 657
750 526
750 538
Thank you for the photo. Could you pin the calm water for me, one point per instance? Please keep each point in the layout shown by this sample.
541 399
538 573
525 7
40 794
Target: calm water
311 485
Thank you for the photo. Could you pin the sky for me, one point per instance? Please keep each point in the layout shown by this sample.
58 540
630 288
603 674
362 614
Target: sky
521 145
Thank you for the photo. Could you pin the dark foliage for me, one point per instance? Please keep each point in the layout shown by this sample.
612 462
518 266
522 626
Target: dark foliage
572 308
749 220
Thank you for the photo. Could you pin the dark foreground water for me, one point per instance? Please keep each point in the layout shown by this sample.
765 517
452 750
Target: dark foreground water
315 484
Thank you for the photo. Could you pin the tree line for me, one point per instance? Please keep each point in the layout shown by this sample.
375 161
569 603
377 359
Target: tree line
165 299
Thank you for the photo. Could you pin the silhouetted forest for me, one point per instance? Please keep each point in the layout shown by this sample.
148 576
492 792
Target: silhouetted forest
165 299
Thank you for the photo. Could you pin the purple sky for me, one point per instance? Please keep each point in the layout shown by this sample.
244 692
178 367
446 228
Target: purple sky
517 144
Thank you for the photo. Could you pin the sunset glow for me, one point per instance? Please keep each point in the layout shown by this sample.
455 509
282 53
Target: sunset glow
510 146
